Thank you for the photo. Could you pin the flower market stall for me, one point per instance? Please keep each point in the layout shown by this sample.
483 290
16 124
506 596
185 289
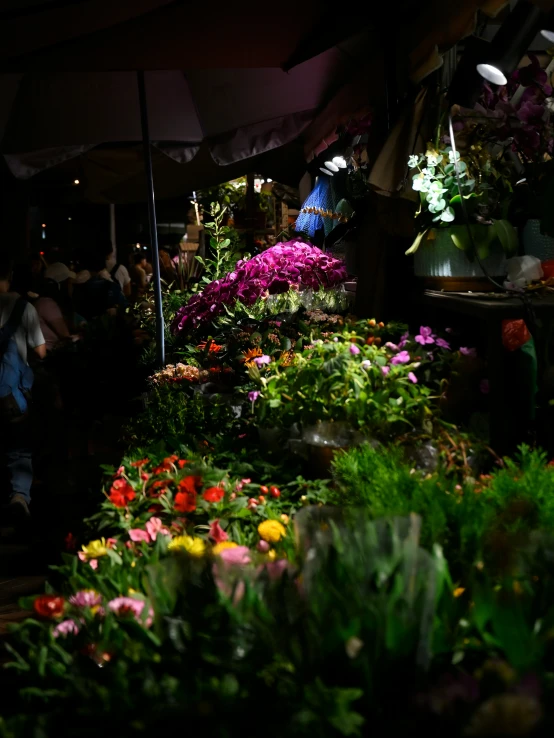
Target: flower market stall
313 529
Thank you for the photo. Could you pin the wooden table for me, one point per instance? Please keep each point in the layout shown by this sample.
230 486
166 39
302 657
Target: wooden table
490 309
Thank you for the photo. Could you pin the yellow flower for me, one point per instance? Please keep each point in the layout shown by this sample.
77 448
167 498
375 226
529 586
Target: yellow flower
95 549
458 592
271 531
194 546
218 548
285 519
272 555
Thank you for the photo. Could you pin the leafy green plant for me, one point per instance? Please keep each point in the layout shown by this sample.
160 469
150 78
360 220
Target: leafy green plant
224 246
441 202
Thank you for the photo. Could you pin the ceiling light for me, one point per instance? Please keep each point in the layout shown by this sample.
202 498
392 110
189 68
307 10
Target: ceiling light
69 218
269 180
492 74
332 166
548 35
326 171
76 181
340 162
44 225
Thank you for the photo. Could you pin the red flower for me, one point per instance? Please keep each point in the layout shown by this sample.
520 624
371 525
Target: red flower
142 462
217 534
185 499
213 494
49 606
166 465
160 484
70 542
181 463
121 493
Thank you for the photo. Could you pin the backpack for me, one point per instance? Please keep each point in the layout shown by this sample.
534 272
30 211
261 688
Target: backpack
16 377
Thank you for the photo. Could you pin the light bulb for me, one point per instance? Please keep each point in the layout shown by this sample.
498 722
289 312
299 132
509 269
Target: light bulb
76 181
326 171
340 161
330 165
492 74
69 218
269 180
44 225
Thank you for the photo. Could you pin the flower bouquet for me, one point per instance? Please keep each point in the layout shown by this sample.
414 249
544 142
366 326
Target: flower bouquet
456 217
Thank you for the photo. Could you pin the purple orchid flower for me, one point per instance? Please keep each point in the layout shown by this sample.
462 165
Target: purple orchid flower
441 343
253 396
261 360
412 377
354 349
471 352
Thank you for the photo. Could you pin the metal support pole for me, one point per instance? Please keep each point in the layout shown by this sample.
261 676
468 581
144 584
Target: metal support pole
160 335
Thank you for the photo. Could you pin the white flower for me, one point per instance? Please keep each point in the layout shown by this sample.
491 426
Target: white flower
413 161
428 172
433 159
420 184
448 215
366 364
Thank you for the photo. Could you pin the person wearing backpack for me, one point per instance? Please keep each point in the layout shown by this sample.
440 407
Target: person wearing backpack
19 332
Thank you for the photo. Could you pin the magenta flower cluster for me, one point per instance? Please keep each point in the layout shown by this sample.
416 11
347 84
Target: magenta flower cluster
274 271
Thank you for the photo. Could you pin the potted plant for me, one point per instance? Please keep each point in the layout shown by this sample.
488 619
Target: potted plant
449 249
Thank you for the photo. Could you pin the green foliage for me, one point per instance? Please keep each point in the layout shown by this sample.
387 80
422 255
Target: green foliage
223 244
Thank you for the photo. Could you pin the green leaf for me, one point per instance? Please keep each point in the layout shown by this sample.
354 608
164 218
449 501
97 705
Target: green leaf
507 235
416 244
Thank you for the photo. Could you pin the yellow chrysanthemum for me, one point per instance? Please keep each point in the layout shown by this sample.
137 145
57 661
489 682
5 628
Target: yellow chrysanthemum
95 549
217 549
271 531
194 546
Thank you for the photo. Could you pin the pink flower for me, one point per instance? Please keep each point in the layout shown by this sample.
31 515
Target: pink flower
85 598
471 352
237 556
391 346
385 370
412 377
403 340
216 533
354 350
441 343
65 628
276 569
253 396
93 564
261 360
137 535
155 526
402 358
125 607
425 336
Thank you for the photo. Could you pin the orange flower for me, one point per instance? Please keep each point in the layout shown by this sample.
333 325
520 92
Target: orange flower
250 355
214 348
139 464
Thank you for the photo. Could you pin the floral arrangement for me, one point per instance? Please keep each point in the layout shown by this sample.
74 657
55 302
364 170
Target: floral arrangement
440 194
178 373
287 265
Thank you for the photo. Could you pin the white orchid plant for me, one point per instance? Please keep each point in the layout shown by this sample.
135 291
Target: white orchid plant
442 179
